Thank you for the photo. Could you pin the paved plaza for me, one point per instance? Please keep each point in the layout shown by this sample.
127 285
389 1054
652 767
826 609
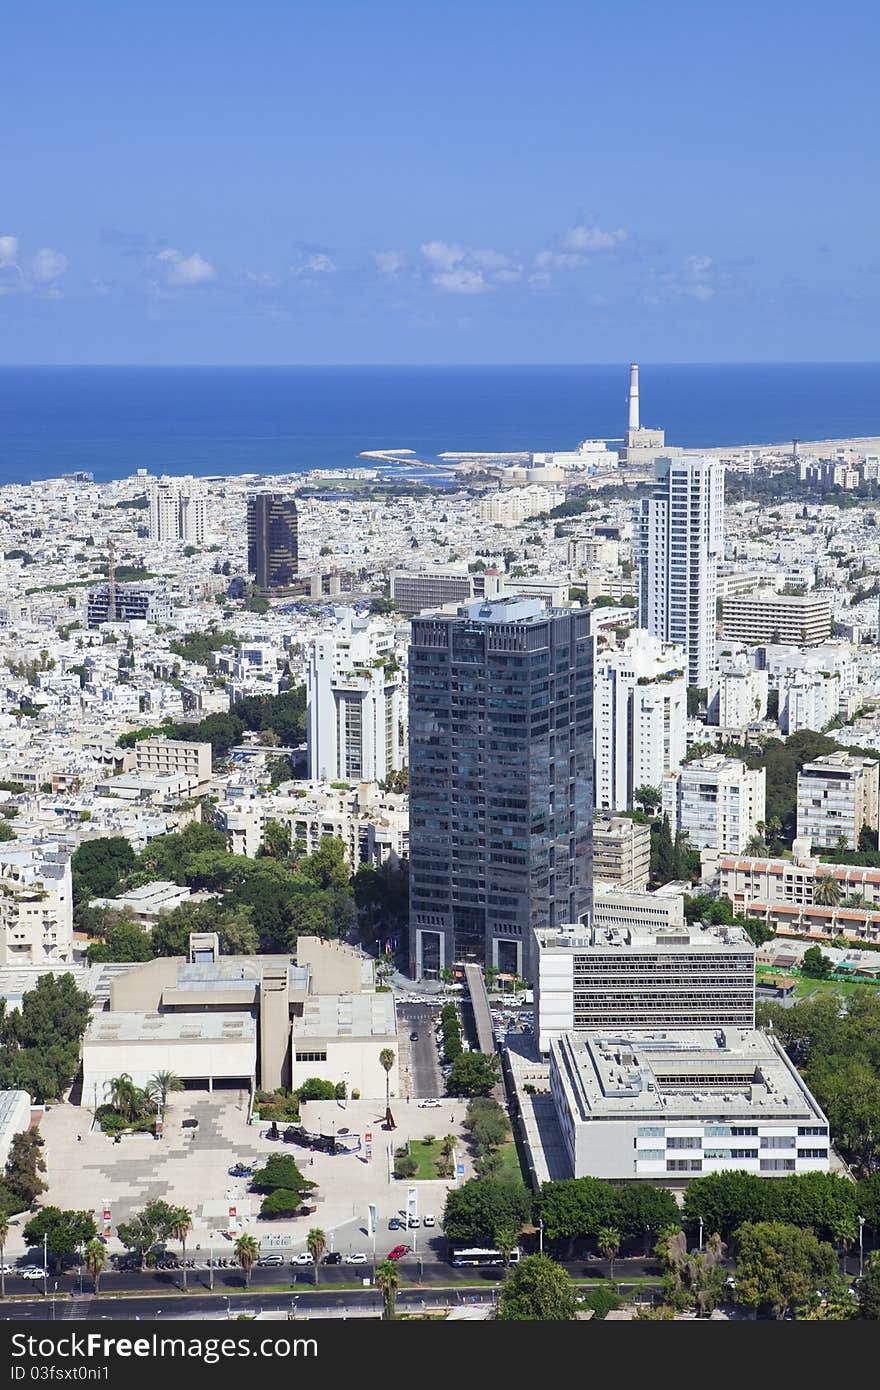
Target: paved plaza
188 1167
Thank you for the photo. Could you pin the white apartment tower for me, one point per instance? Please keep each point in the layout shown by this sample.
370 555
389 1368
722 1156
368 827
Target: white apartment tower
639 717
836 795
36 905
716 801
737 695
177 510
681 537
355 702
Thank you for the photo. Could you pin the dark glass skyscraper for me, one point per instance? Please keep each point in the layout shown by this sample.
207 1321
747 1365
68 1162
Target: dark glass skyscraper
501 780
272 539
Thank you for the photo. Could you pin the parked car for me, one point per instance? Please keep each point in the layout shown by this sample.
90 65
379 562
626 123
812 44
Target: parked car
266 1260
395 1224
415 1222
303 1258
31 1272
429 1220
356 1259
332 1258
429 1103
398 1252
413 1037
189 1123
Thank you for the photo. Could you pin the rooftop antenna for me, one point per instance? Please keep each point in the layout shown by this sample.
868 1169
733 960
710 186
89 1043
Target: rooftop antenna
111 582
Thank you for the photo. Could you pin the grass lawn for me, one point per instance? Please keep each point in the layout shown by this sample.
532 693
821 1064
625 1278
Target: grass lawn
510 1167
427 1157
805 986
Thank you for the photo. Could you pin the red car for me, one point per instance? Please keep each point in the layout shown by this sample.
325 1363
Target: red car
398 1251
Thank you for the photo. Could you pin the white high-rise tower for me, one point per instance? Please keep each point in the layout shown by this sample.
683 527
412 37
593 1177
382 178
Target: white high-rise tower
177 510
634 396
681 536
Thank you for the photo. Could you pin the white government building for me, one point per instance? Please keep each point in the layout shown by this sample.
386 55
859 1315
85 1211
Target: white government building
671 1105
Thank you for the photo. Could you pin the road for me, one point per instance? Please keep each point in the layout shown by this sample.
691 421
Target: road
426 1077
357 1303
423 1273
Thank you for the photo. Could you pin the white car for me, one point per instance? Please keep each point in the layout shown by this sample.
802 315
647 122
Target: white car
429 1104
303 1258
357 1259
429 1220
31 1272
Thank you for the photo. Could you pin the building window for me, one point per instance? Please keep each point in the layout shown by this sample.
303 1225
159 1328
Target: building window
317 1056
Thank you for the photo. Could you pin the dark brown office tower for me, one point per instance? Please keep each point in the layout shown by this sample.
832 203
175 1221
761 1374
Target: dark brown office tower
272 539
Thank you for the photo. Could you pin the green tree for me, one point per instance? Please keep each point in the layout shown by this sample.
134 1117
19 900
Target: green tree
538 1290
388 1281
63 1230
23 1168
179 1228
473 1074
276 840
4 1236
100 867
867 841
161 1085
280 1171
95 1256
869 1289
643 1210
608 1241
573 1208
507 1234
127 1099
781 1266
123 941
476 1210
727 1200
386 1062
815 964
648 798
316 1242
246 1252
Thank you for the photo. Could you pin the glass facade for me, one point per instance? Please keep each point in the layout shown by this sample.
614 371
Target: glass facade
500 757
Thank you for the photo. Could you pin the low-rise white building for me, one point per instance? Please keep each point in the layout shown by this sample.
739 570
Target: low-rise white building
15 1118
669 1106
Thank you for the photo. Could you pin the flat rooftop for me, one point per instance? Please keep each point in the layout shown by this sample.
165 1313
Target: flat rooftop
115 1028
662 939
725 1074
346 1016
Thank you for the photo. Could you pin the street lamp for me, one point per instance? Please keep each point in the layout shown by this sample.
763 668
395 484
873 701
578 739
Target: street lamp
700 1219
540 1236
211 1267
861 1246
45 1270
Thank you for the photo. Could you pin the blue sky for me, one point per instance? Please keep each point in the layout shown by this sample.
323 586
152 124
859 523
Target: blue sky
569 181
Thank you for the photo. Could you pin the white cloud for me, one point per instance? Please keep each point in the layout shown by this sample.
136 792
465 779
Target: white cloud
460 280
588 237
389 262
262 279
314 264
181 270
8 251
559 260
442 254
48 265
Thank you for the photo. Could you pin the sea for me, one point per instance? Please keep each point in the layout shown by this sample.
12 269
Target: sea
214 421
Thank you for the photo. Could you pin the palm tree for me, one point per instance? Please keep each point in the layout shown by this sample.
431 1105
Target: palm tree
826 892
246 1252
845 1231
125 1097
317 1244
179 1229
755 845
160 1086
386 1060
388 1280
96 1259
4 1235
608 1241
506 1237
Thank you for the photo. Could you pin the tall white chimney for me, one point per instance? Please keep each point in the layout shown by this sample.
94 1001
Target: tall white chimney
634 396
